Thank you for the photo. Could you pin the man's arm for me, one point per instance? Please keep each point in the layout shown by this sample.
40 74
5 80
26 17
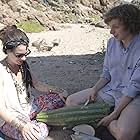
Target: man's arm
100 84
125 100
105 77
129 92
115 114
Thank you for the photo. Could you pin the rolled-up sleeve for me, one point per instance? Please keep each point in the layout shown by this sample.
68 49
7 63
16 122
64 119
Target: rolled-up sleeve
133 88
105 73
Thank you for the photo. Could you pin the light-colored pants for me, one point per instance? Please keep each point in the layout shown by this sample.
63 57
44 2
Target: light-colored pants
113 98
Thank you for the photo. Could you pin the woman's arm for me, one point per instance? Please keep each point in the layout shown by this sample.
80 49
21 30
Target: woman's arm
15 120
19 122
40 86
4 113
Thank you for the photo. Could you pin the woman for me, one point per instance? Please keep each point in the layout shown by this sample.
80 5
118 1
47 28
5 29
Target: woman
18 107
119 84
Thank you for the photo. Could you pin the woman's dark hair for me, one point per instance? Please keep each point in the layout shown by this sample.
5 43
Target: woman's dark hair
27 78
128 14
12 37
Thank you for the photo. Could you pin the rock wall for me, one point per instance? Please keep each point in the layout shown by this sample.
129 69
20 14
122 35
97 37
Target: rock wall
136 2
46 12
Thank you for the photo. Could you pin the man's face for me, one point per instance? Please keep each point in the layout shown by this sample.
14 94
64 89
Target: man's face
118 30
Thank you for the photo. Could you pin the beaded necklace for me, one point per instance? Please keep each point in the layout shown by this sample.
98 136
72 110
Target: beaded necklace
20 87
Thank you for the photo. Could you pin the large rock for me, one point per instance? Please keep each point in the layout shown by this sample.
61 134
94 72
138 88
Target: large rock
46 11
136 2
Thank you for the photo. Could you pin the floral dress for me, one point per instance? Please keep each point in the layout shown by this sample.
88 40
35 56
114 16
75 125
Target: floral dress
41 103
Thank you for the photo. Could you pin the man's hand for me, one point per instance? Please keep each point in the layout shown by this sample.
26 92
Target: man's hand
108 119
93 94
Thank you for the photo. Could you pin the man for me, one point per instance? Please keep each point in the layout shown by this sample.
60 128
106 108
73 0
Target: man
119 84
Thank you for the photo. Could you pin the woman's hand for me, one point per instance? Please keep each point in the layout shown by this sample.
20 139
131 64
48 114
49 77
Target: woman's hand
61 92
30 131
108 119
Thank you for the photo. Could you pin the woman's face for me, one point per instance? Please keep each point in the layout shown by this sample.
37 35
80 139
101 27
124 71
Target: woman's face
118 30
18 55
